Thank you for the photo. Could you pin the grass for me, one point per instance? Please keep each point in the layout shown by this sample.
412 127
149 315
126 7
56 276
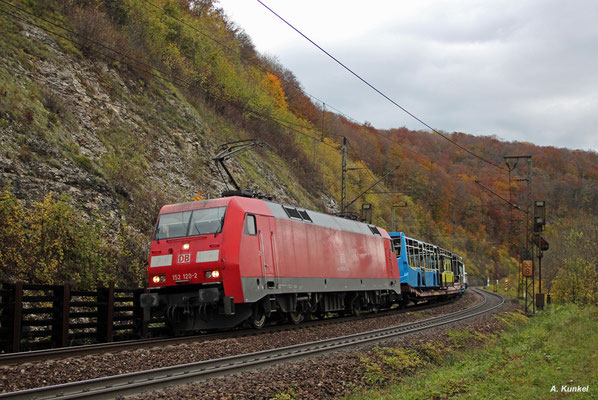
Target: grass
557 347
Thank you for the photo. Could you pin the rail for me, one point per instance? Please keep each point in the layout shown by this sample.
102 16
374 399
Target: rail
81 350
133 383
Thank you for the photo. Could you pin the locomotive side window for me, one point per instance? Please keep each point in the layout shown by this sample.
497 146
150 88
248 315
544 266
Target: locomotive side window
305 216
190 223
292 212
250 227
374 230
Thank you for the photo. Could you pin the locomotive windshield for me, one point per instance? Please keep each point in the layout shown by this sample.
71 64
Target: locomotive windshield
190 223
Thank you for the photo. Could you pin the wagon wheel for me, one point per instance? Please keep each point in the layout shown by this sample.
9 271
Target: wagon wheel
296 317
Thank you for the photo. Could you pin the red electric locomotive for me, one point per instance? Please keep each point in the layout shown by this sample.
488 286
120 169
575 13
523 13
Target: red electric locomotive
219 263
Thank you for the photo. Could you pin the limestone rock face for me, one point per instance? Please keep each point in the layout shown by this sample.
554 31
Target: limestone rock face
119 144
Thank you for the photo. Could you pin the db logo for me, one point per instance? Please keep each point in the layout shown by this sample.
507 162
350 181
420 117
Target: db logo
184 258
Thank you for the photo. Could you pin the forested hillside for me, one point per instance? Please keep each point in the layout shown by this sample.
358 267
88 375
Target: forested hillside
111 108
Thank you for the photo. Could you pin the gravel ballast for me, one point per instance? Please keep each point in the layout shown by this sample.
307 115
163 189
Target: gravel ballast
342 364
323 377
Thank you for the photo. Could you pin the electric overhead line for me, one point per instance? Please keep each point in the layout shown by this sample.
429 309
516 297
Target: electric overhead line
223 45
264 69
181 82
380 92
235 51
259 66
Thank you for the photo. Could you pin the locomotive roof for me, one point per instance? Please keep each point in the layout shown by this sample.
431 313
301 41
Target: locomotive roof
281 211
195 205
325 220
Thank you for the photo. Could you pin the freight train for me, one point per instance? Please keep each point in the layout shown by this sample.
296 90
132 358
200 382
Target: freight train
222 263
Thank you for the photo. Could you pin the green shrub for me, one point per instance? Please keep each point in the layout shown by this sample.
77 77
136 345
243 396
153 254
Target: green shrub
51 243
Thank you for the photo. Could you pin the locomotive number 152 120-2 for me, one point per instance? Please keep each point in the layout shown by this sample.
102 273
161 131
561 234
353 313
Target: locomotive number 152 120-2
179 277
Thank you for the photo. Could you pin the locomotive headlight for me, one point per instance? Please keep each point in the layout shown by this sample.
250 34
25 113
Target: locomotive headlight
212 274
162 278
156 279
185 246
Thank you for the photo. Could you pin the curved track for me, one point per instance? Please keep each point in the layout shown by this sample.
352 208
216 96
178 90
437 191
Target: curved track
132 383
64 352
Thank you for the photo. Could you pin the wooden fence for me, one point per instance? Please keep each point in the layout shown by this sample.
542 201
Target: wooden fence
45 316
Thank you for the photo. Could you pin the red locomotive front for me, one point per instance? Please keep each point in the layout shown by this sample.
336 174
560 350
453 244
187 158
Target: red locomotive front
187 244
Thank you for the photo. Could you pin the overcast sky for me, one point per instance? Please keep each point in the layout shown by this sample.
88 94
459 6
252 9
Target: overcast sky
521 70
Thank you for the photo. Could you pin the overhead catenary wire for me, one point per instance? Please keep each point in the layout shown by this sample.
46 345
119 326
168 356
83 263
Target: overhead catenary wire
235 51
262 68
379 91
186 83
259 66
177 81
180 82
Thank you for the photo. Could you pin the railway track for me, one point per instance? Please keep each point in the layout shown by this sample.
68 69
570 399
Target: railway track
132 383
74 351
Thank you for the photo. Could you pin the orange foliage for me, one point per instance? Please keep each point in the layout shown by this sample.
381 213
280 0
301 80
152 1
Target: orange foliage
272 83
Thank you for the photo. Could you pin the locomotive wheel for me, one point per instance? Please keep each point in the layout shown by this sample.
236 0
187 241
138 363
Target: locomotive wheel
356 307
258 323
258 317
296 317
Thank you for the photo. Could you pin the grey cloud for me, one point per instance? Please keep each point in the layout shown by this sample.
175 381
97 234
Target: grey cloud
527 72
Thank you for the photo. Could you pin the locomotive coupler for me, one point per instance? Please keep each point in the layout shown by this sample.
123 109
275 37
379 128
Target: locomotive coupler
208 296
187 308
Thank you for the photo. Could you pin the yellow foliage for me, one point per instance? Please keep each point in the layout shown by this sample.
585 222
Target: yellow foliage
576 282
12 237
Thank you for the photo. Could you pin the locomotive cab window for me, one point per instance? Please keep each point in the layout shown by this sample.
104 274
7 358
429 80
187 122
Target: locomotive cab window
190 223
207 221
250 226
